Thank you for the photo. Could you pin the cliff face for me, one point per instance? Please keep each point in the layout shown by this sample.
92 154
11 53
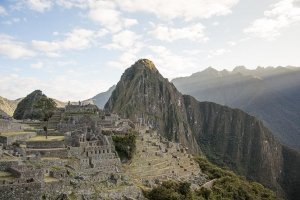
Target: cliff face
25 109
228 137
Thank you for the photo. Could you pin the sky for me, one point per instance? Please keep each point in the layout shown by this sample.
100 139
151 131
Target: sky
74 49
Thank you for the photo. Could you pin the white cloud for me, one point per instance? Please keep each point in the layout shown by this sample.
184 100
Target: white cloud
38 65
281 15
106 13
194 33
171 64
2 10
14 49
14 86
124 61
77 39
39 5
125 40
217 52
130 44
232 43
184 9
12 21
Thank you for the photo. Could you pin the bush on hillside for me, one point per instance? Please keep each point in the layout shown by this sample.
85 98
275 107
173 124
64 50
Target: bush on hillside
125 146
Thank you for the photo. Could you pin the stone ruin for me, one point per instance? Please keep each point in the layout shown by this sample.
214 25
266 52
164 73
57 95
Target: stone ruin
45 166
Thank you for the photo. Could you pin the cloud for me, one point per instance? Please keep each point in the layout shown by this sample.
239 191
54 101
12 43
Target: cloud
2 10
15 86
281 15
13 49
106 13
217 52
194 33
171 64
39 5
130 44
77 39
38 65
232 43
184 9
12 21
124 40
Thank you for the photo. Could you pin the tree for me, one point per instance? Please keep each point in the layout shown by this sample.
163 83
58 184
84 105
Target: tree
46 106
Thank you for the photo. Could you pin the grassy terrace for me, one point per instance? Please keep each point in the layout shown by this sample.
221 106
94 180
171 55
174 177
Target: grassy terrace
49 179
8 158
50 138
15 133
6 176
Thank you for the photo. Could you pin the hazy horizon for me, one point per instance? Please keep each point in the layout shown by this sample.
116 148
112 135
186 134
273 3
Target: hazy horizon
74 49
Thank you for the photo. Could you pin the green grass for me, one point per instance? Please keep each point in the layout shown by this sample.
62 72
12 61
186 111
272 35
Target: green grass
15 133
50 138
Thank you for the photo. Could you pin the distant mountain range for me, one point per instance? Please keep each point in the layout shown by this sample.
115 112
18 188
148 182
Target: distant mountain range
101 98
270 94
8 106
228 137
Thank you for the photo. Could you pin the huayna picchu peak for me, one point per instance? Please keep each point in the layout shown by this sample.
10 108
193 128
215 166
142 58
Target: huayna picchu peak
228 137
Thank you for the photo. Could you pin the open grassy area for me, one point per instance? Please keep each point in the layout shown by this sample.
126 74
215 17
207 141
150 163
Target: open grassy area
50 138
15 133
49 179
5 176
8 157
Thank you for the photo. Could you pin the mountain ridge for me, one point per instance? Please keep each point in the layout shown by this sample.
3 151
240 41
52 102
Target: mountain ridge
271 94
230 136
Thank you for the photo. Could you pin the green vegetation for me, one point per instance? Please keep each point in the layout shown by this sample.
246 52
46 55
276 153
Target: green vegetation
125 146
227 185
46 107
170 190
211 170
26 109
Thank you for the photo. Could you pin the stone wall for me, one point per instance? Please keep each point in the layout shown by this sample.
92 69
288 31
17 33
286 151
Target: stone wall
10 125
20 191
5 164
45 144
61 153
9 140
24 172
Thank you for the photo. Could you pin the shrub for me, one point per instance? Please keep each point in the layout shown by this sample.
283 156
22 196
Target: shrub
125 146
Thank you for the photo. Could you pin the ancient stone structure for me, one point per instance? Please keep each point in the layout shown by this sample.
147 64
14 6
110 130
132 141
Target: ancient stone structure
77 149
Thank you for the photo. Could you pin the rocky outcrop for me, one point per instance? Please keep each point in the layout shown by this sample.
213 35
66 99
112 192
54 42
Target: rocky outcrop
228 137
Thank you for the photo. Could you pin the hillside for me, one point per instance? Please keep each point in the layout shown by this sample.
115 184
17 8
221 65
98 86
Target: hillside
26 108
8 106
228 137
101 98
270 94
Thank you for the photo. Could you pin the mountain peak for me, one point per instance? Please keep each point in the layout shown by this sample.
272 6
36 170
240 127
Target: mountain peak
239 69
145 63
